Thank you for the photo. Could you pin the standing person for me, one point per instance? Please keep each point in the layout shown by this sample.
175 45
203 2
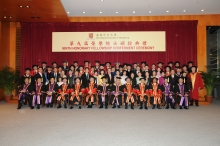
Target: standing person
59 81
103 90
129 93
55 74
34 70
70 78
102 73
24 91
75 63
142 91
96 77
37 93
168 92
123 77
161 78
158 72
138 78
109 77
133 79
65 66
147 78
44 67
85 77
190 64
197 84
27 74
117 74
160 65
129 71
155 93
63 93
134 69
97 64
51 90
54 65
143 64
76 94
117 92
172 78
117 66
41 75
182 94
167 70
91 90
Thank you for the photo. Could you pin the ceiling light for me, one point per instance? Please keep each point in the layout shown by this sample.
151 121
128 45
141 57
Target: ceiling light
27 6
101 0
20 6
167 11
10 17
116 12
68 12
5 17
133 11
184 10
202 10
84 12
149 11
100 12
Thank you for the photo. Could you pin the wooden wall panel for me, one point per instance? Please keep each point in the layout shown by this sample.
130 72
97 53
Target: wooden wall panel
7 46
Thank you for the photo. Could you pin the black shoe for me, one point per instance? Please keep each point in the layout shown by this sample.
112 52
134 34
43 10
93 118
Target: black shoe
185 107
119 106
51 105
141 107
47 105
167 107
181 107
32 107
126 107
59 106
100 106
173 107
79 107
132 105
88 106
71 107
106 107
38 106
19 107
145 107
113 106
153 107
65 106
191 104
158 106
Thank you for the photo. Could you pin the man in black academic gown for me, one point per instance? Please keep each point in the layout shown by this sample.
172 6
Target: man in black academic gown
27 75
24 91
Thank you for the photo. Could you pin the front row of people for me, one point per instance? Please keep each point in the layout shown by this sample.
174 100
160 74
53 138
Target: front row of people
165 94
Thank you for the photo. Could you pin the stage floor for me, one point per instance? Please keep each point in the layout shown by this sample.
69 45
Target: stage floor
198 126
